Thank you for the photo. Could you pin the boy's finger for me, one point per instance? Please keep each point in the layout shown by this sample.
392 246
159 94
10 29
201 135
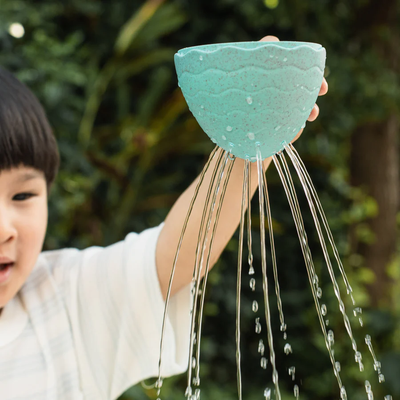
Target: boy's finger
269 38
298 135
314 113
324 88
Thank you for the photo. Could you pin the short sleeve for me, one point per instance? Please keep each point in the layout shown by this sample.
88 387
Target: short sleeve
117 308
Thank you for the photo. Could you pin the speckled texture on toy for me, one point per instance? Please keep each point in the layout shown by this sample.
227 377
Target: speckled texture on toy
250 95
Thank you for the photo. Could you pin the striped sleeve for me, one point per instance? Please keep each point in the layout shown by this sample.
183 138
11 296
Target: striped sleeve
116 309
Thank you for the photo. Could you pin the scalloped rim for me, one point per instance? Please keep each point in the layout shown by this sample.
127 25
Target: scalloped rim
249 46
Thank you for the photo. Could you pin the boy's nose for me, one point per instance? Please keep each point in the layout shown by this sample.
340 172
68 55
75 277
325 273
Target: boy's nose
7 230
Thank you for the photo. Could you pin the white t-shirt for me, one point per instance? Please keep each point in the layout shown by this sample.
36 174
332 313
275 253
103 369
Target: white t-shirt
87 324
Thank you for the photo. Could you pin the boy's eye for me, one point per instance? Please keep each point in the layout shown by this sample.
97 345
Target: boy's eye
23 196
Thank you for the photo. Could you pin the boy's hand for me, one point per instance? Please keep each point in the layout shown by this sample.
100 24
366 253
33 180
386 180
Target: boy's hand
324 89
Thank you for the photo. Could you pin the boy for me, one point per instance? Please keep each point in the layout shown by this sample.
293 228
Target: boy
87 324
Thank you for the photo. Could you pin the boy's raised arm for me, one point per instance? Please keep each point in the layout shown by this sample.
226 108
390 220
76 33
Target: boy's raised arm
228 221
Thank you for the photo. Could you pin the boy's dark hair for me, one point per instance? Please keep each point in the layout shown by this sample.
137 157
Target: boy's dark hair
26 137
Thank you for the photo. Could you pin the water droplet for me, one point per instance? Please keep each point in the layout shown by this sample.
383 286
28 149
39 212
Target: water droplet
229 128
294 130
319 292
251 135
304 108
193 362
249 100
253 284
283 327
381 378
258 325
159 383
323 309
194 338
357 311
377 366
292 371
231 144
261 347
196 381
358 356
388 397
368 386
315 280
223 137
327 322
213 140
284 335
287 349
368 339
251 270
278 127
188 391
271 56
201 58
202 107
264 362
296 391
267 394
200 113
331 338
301 87
343 394
285 59
254 306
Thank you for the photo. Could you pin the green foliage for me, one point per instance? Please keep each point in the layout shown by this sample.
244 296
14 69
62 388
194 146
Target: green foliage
129 146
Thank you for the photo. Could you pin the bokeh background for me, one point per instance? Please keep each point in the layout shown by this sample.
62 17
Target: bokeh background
129 146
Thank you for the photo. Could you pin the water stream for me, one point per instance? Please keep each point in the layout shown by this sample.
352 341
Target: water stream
297 217
199 267
275 378
224 163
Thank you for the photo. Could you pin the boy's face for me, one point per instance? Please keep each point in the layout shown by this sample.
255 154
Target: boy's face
23 222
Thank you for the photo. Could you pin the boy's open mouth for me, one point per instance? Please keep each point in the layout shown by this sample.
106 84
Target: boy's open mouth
6 265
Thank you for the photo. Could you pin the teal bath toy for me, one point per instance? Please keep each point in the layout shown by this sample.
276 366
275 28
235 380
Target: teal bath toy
251 95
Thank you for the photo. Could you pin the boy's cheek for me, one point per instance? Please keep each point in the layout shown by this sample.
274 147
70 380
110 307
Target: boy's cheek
31 239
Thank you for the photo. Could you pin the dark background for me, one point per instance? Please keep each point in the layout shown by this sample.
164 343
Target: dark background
129 146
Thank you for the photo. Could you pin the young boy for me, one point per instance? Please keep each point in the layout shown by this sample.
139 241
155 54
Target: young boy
87 324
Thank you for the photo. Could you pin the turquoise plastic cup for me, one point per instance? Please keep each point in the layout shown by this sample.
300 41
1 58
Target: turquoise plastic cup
251 97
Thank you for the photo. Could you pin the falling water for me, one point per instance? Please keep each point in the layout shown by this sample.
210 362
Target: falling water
295 209
201 244
196 191
273 255
220 177
326 255
377 364
199 266
202 301
239 275
264 271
